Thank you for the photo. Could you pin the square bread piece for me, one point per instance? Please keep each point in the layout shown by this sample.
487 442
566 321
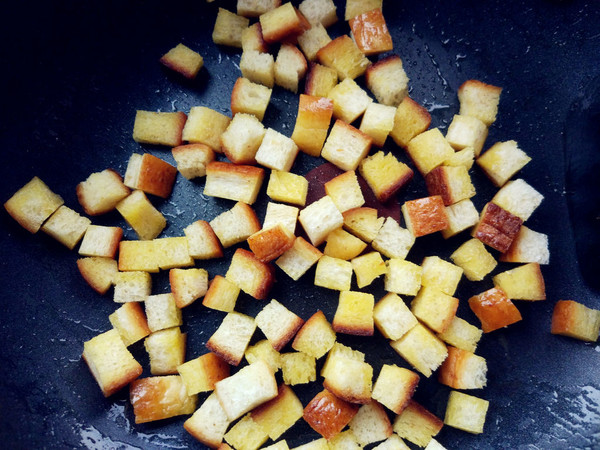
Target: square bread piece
497 227
298 368
345 191
320 80
251 275
411 119
522 283
494 309
228 28
316 337
150 174
130 321
346 146
313 40
66 226
231 339
363 222
233 181
371 33
452 183
250 98
203 243
402 277
434 308
320 218
429 150
356 7
312 123
235 225
518 198
132 286
421 349
575 320
392 240
183 60
440 274
377 122
162 312
350 380
141 215
192 159
395 387
479 100
328 414
299 258
166 349
270 243
417 425
101 192
461 216
278 324
242 138
387 80
392 317
343 245
254 8
371 424
258 67
202 373
463 370
367 268
467 131
343 55
209 423
333 273
350 101
172 252
425 215
280 214
246 434
466 412
279 414
529 246
290 67
276 151
188 285
354 314
205 126
264 350
287 187
385 175
321 12
222 294
282 22
252 39
139 256
461 334
98 271
502 161
464 157
159 128
474 259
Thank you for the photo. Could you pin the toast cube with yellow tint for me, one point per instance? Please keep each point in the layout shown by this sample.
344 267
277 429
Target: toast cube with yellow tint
254 8
350 101
343 245
158 398
429 150
371 424
340 350
280 413
497 227
343 55
368 267
354 314
452 183
251 275
328 415
480 100
528 247
387 80
320 80
522 283
321 12
392 240
209 423
228 28
417 425
370 32
233 181
345 191
141 215
250 98
132 286
264 350
172 252
235 225
205 126
66 226
202 373
242 138
440 274
270 243
333 273
411 120
392 317
425 215
378 122
287 187
434 308
363 222
166 349
252 39
290 67
350 380
461 334
320 218
192 159
313 40
474 259
494 309
101 192
99 272
502 160
395 387
316 337
138 256
312 123
246 434
403 277
298 368
183 60
421 349
222 294
280 214
299 258
188 285
232 337
356 7
162 312
258 67
384 174
575 320
467 131
464 157
278 324
518 198
461 216
466 412
282 23
463 370
150 174
159 128
276 151
203 243
346 146
130 321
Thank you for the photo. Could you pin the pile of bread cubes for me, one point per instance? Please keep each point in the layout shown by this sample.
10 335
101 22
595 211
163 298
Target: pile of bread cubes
235 154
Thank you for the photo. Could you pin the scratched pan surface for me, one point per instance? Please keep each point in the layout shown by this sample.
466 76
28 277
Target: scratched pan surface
73 76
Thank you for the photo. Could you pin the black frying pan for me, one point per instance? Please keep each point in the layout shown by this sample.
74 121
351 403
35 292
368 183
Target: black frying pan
75 73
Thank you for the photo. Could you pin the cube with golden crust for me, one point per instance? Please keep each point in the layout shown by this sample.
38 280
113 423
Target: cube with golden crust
333 273
202 373
270 243
494 309
452 183
461 215
235 225
232 337
463 370
312 123
162 312
522 283
252 39
313 40
246 434
278 324
321 12
466 412
363 222
166 349
157 398
368 267
299 258
377 122
111 364
209 423
350 101
371 33
222 294
354 314
150 174
138 256
345 191
242 138
461 334
130 321
528 246
172 252
417 425
350 380
392 240
316 337
467 131
141 215
205 126
258 67
421 349
464 157
280 214
251 275
395 387
371 424
287 187
320 218
183 60
518 198
192 159
320 80
279 414
502 161
575 320
343 55
384 174
228 28
290 67
254 8
387 80
281 23
474 259
429 150
402 277
298 368
392 317
66 226
328 414
440 274
159 128
425 215
276 151
479 100
411 119
497 227
343 245
250 98
101 192
356 7
132 286
340 351
265 351
203 243
98 271
188 285
434 308
346 146
234 182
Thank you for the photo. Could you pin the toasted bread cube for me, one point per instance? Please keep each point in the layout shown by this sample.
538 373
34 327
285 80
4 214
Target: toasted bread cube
479 100
278 324
188 285
259 68
340 351
392 240
411 119
101 192
371 33
158 128
494 309
162 312
313 40
371 424
394 442
467 131
402 277
319 12
280 214
270 243
453 184
316 337
243 391
349 380
290 67
201 374
356 7
132 286
276 151
518 198
203 243
463 370
254 8
328 414
312 123
346 440
265 351
343 55
299 258
141 215
395 387
166 349
320 218
346 146
250 274
354 314
350 101
111 364
392 317
246 434
417 425
222 294
502 161
205 126
281 23
99 272
209 423
150 174
429 150
333 273
474 259
497 227
575 320
384 174
466 412
522 283
345 191
343 245
172 252
279 414
434 308
363 222
528 247
242 138
250 98
231 339
31 205
368 267
298 368
66 226
461 334
421 349
461 215
183 60
287 187
235 225
464 157
320 80
440 274
233 182
157 398
252 39
130 321
138 256
228 28
425 215
377 122
387 80
192 159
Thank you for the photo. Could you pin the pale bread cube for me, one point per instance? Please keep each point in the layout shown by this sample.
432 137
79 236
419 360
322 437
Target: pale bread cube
203 243
340 351
228 28
265 351
392 240
328 415
440 274
132 286
320 80
502 160
497 227
192 159
312 123
183 60
320 218
130 321
141 215
31 205
411 119
276 151
425 215
453 184
250 98
421 349
346 146
392 317
350 380
188 285
387 80
150 174
467 131
479 100
235 225
279 414
344 57
250 274
356 7
466 412
317 444
384 174
287 187
242 138
464 157
323 12
246 434
363 222
394 442
252 39
395 387
313 40
233 182
522 283
429 150
162 312
205 126
367 268
111 364
377 122
259 68
158 128
417 425
270 243
343 245
434 445
370 32
350 101
354 313
402 277
474 259
298 368
371 424
518 198
316 337
299 258
222 294
434 308
282 22
66 226
232 337
346 440
278 324
99 272
575 320
280 214
529 246
463 370
345 191
254 8
166 349
138 256
101 192
209 423
172 252
290 67
202 373
461 216
461 334
333 273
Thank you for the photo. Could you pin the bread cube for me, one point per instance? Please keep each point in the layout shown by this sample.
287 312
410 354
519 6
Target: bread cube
298 368
111 364
575 320
279 414
31 205
328 414
480 100
270 243
139 256
461 334
232 337
429 150
312 123
202 373
467 131
222 294
320 80
340 351
313 40
276 151
228 28
402 277
378 122
368 267
183 60
158 128
371 33
497 227
371 424
453 184
246 434
250 274
252 39
417 425
162 312
157 398
464 157
394 442
384 174
141 215
264 350
319 219
282 22
287 187
299 258
461 215
205 126
66 226
363 222
333 273
466 412
354 314
130 321
421 349
209 423
502 161
349 379
250 98
434 308
356 7
150 174
522 283
290 67
343 245
345 191
254 8
463 370
101 192
411 119
494 309
192 159
319 12
188 285
166 349
350 101
280 214
316 337
387 80
440 274
99 272
392 240
235 225
425 215
242 138
258 68
528 247
278 324
518 198
233 181
474 259
395 387
202 241
392 317
172 252
346 146
132 286
343 55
